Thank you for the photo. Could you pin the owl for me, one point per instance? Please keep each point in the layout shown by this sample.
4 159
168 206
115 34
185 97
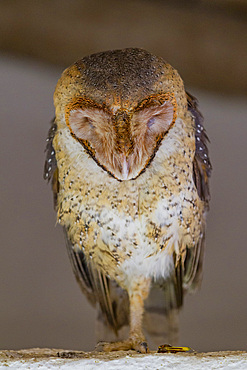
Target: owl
128 159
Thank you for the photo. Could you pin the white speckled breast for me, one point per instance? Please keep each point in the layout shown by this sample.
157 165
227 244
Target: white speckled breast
130 228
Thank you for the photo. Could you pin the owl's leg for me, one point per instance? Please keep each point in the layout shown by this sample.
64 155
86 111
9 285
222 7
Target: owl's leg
137 294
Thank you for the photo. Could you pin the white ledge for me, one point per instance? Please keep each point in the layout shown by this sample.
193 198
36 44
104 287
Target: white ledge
38 358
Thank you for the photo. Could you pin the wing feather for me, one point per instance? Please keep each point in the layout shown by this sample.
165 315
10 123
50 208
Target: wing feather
50 168
201 166
98 288
201 173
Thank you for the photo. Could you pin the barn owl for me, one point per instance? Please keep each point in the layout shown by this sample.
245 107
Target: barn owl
127 155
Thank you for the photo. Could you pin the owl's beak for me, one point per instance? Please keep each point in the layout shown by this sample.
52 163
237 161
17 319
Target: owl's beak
125 167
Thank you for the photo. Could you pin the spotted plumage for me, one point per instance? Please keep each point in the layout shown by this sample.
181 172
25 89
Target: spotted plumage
130 177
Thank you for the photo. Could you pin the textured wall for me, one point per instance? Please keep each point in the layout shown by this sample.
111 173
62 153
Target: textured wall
204 39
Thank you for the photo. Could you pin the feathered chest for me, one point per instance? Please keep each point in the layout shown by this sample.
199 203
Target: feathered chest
132 225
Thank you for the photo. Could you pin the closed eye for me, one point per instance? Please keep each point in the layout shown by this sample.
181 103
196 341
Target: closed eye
89 121
151 121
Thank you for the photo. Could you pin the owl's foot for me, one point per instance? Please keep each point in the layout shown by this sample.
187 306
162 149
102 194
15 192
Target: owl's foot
126 345
136 340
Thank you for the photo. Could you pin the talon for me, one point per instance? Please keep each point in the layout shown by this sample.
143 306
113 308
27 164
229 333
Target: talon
100 346
125 345
66 354
145 346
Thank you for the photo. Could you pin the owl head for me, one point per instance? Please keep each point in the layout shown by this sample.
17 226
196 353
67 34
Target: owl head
119 106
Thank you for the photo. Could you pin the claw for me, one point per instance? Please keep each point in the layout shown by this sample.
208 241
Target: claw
125 345
100 346
144 346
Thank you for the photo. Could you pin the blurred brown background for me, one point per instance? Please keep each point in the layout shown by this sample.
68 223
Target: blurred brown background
40 302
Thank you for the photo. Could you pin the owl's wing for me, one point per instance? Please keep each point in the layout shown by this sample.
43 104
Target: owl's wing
96 286
50 167
201 166
201 172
